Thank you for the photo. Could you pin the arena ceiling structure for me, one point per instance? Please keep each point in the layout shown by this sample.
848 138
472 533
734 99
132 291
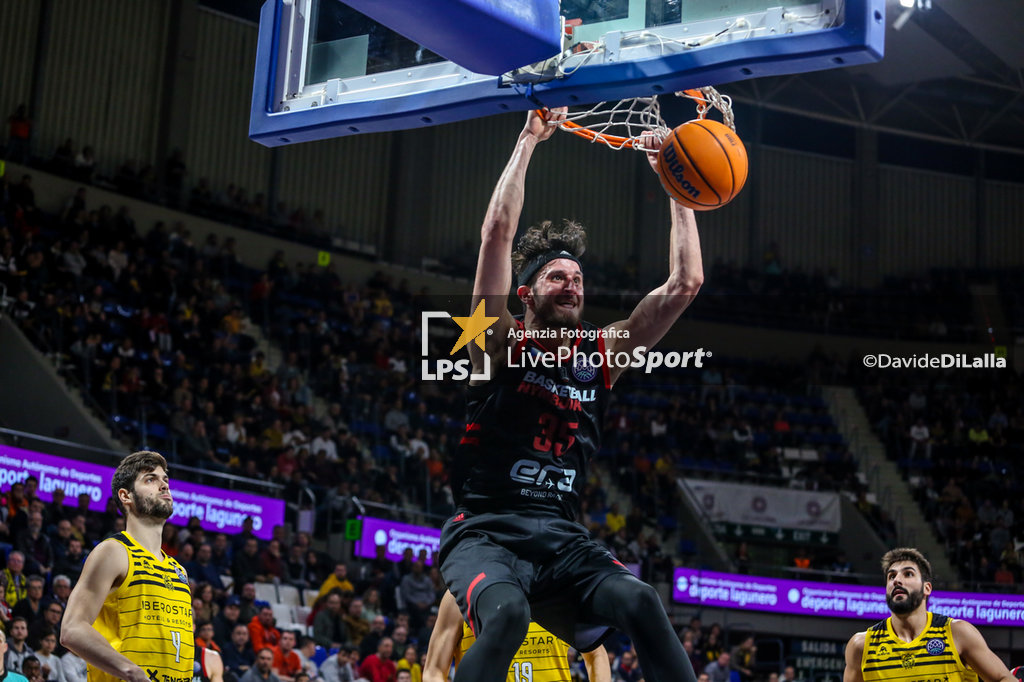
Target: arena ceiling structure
953 72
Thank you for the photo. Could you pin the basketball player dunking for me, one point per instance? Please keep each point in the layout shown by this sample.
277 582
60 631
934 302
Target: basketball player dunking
914 643
130 615
541 658
514 551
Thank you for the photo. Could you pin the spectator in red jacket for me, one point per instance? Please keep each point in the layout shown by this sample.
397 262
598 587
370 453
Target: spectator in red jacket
262 632
379 667
287 663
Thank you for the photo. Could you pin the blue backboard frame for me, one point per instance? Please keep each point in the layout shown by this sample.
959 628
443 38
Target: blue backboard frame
461 94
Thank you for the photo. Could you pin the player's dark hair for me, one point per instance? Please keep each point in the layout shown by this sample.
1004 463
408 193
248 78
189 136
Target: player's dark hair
539 239
141 462
894 556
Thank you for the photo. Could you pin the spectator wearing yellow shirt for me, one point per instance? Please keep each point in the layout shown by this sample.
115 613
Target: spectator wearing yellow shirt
337 579
664 465
614 519
410 661
382 306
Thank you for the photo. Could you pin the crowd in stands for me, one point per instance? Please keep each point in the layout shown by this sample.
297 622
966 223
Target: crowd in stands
154 324
934 305
368 619
379 618
717 659
168 183
958 436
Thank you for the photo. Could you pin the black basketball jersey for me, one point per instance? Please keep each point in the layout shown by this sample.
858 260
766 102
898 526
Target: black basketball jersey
531 429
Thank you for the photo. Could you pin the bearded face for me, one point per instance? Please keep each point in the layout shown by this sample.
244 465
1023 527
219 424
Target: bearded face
153 505
559 310
902 600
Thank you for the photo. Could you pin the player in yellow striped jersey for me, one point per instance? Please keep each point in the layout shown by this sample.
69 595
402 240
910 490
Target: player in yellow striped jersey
541 658
130 615
914 644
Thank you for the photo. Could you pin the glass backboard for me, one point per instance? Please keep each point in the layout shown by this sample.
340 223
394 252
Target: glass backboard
324 70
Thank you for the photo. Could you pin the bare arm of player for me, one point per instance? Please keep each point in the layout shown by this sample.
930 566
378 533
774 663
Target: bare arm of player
494 267
598 667
974 652
444 639
854 654
659 310
104 570
214 666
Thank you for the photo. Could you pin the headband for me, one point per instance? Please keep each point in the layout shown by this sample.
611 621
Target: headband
543 259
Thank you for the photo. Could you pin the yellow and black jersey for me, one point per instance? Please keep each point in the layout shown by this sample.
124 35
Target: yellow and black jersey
931 656
542 657
148 618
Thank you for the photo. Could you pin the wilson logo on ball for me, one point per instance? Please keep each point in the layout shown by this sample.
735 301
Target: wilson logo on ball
702 164
677 171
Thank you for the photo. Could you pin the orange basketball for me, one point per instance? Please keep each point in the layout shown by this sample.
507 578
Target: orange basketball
702 164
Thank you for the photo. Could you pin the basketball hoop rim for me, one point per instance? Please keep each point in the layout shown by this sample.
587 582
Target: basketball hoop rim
613 141
618 142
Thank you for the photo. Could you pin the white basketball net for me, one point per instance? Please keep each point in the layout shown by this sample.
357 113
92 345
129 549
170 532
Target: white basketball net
621 125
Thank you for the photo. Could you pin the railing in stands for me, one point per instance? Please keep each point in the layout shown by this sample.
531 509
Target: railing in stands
24 439
876 579
83 388
388 511
705 522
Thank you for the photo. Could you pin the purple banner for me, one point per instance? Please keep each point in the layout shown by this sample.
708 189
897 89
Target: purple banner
218 510
805 598
396 537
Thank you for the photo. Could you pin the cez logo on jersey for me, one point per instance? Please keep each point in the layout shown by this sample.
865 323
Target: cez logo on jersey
550 476
474 328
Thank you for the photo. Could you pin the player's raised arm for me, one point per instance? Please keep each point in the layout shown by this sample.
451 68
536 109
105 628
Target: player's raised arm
494 268
659 310
975 653
854 654
598 667
444 639
105 568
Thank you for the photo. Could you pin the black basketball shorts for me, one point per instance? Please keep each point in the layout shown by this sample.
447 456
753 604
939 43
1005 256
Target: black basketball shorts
551 559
